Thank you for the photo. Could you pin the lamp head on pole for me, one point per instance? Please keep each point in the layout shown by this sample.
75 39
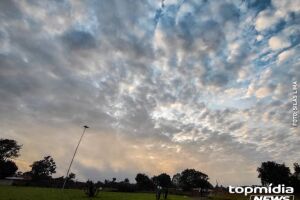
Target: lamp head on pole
86 126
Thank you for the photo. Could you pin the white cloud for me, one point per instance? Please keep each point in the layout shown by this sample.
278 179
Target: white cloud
262 92
278 42
286 6
268 18
259 37
284 56
265 20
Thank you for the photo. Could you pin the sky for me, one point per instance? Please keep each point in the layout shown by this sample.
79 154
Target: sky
163 85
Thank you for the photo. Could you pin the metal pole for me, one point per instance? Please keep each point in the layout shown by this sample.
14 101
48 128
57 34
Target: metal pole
66 177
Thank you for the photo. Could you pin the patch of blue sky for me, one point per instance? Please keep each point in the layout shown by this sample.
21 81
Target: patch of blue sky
157 16
295 39
172 61
222 103
258 5
263 61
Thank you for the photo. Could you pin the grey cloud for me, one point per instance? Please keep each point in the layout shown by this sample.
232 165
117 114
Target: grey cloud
9 10
218 79
229 12
236 126
75 39
259 5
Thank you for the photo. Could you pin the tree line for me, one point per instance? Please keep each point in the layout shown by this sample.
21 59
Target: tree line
42 170
274 173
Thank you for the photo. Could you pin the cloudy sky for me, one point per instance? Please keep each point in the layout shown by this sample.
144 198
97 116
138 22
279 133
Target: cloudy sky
164 85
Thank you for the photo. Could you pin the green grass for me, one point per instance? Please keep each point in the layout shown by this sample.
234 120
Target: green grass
32 193
227 197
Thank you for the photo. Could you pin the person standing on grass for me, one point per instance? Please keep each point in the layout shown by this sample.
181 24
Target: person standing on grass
158 192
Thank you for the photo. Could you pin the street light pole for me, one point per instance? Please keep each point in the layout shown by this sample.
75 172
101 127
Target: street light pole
66 177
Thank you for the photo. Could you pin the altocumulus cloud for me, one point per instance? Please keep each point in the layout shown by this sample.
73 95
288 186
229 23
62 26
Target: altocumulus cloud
164 85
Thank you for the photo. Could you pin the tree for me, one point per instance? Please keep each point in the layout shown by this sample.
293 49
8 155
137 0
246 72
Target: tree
43 169
191 178
9 149
7 168
92 190
163 180
71 177
126 180
296 169
176 180
143 182
27 175
272 172
295 178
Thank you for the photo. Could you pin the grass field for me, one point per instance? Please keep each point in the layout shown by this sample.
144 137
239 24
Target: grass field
30 193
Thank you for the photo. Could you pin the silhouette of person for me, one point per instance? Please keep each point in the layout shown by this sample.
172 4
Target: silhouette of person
158 192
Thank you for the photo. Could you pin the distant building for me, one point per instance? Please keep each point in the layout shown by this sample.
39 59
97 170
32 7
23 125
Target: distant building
10 180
